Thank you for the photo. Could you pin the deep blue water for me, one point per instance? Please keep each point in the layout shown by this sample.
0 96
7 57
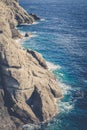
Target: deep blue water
62 40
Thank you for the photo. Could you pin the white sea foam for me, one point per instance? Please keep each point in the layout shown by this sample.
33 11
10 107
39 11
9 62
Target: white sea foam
65 88
26 24
18 40
42 20
52 66
65 106
34 23
61 74
22 32
22 40
30 23
32 34
85 81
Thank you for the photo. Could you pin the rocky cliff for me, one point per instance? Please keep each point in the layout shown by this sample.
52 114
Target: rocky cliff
27 89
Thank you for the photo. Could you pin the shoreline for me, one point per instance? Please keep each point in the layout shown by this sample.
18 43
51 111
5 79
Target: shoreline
24 74
51 67
20 41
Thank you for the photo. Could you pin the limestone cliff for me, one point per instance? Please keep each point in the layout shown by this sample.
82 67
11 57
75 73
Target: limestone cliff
27 89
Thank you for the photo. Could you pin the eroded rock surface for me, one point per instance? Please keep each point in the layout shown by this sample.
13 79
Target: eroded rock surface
28 87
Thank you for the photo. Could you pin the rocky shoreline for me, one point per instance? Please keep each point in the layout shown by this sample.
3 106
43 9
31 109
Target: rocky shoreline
27 89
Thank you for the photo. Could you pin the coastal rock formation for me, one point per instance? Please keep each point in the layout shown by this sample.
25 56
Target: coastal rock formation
16 12
28 91
35 16
28 34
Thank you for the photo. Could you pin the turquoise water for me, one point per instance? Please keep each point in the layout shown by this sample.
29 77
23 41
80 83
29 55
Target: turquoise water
61 37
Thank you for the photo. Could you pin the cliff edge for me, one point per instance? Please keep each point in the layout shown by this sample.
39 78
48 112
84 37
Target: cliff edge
27 89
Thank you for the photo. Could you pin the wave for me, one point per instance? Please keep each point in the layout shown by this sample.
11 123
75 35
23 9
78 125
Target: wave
42 20
66 104
26 24
85 81
52 66
18 40
24 39
31 127
65 107
34 23
22 32
33 35
65 88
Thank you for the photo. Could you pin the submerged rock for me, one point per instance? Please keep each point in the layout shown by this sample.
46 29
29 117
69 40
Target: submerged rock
28 34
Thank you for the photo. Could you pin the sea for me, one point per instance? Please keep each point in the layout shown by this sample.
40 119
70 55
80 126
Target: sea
61 37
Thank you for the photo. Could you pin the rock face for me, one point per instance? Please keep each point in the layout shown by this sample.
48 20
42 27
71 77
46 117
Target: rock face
5 120
27 89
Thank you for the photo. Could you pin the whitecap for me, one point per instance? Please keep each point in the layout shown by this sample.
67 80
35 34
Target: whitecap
33 35
26 24
65 106
52 66
61 74
34 23
34 32
65 88
85 81
31 127
42 20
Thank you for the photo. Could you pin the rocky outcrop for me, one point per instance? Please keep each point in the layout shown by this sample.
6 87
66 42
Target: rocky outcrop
28 87
12 14
38 57
16 12
28 34
35 16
